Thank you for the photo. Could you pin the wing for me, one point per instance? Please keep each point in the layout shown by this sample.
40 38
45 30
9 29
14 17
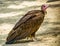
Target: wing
13 33
22 20
17 33
25 18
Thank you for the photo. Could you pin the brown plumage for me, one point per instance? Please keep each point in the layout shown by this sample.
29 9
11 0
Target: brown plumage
27 25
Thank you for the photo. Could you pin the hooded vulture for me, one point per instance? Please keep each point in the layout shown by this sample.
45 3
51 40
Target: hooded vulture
27 25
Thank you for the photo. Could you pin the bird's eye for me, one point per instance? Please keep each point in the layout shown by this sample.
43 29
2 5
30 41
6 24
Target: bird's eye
44 6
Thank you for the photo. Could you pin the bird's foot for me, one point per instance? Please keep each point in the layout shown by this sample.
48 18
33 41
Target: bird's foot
35 39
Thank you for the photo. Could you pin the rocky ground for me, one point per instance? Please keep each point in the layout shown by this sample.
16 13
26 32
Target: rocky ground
49 32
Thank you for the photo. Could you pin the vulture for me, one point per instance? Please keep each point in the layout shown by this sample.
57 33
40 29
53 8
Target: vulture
27 25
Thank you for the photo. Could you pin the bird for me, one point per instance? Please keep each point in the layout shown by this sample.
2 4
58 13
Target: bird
28 25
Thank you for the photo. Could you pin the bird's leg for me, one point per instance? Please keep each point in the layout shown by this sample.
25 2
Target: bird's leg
33 37
29 37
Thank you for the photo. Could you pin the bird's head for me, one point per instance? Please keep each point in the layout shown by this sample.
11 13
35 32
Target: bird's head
44 7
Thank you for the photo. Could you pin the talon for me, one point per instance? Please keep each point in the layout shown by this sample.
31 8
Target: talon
36 39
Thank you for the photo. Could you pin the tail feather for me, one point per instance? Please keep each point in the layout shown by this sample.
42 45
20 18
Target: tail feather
9 42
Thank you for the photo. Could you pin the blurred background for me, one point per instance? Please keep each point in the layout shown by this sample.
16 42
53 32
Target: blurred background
12 10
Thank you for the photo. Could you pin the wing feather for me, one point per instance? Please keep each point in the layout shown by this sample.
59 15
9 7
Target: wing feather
22 20
22 27
15 31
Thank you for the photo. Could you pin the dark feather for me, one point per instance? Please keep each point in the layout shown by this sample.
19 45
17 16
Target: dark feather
27 25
